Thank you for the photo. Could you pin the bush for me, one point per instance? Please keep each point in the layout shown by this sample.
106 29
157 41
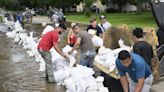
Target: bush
87 13
1 19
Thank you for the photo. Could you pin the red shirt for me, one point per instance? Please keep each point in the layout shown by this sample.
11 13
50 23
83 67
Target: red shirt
48 40
73 38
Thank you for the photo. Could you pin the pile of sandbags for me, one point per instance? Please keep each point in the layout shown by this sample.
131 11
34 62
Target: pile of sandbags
79 79
107 57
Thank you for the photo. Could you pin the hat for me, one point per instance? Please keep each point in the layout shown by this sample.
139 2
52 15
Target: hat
92 19
73 24
102 17
44 24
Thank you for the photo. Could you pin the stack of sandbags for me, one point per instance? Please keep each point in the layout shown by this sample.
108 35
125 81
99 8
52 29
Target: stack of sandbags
79 79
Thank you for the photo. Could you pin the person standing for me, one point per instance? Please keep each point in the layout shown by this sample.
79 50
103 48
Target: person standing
104 25
71 36
54 19
49 40
87 49
140 74
47 28
95 27
142 47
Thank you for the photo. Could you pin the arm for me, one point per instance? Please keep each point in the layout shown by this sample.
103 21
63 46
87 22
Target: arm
124 83
69 34
139 85
59 51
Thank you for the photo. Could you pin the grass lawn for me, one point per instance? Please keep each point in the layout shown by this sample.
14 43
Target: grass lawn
132 20
0 18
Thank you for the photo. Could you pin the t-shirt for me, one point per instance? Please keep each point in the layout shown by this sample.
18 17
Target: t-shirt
55 18
160 34
105 26
144 49
138 68
48 40
47 29
72 38
86 42
97 29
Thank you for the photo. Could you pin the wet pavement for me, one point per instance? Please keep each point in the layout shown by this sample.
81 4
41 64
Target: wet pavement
19 72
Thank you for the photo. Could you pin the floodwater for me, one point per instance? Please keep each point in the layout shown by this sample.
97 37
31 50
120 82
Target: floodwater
19 72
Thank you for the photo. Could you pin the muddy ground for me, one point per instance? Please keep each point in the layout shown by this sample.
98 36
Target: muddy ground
19 72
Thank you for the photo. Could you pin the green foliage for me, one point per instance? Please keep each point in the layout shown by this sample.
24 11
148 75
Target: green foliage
1 19
132 20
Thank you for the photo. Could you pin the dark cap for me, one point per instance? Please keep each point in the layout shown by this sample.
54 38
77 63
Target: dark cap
92 19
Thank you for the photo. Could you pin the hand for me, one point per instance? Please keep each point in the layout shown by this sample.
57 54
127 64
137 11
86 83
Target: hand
70 52
65 56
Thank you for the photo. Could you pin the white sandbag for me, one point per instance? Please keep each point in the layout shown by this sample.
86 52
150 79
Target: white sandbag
97 41
104 51
92 32
70 85
103 89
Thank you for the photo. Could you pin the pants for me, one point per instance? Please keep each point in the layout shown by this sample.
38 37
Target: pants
147 84
87 58
49 66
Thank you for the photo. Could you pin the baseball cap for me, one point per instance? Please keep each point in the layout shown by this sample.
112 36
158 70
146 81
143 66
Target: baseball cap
92 19
102 17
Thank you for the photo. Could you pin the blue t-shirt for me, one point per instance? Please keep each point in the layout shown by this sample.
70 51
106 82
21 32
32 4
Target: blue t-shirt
138 68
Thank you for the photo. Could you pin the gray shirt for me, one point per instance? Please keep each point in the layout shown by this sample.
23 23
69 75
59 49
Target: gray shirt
86 42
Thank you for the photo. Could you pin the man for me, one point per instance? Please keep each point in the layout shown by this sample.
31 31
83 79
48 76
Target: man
138 71
49 40
95 27
47 28
54 19
142 47
104 25
86 46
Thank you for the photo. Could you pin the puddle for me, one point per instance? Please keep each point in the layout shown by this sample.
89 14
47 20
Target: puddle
17 57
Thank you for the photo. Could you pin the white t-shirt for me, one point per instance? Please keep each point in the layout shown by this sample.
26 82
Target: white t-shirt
105 26
47 29
55 18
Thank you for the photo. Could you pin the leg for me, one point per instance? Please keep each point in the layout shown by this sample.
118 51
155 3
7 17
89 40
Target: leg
83 59
147 84
49 66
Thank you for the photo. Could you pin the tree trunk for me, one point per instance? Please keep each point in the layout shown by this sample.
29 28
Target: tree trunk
139 9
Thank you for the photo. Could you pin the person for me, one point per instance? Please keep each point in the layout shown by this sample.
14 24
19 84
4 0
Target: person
104 25
95 27
49 40
47 28
160 35
54 19
71 36
86 46
139 72
142 47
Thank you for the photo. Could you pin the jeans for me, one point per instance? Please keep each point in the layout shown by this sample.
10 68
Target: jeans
49 66
147 84
87 58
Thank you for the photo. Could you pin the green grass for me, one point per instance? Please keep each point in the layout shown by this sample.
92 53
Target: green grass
0 18
131 19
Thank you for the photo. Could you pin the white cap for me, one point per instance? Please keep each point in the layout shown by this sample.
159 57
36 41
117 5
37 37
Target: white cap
73 24
44 24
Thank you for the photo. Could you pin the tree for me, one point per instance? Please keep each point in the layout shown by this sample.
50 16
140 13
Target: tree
120 3
139 4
